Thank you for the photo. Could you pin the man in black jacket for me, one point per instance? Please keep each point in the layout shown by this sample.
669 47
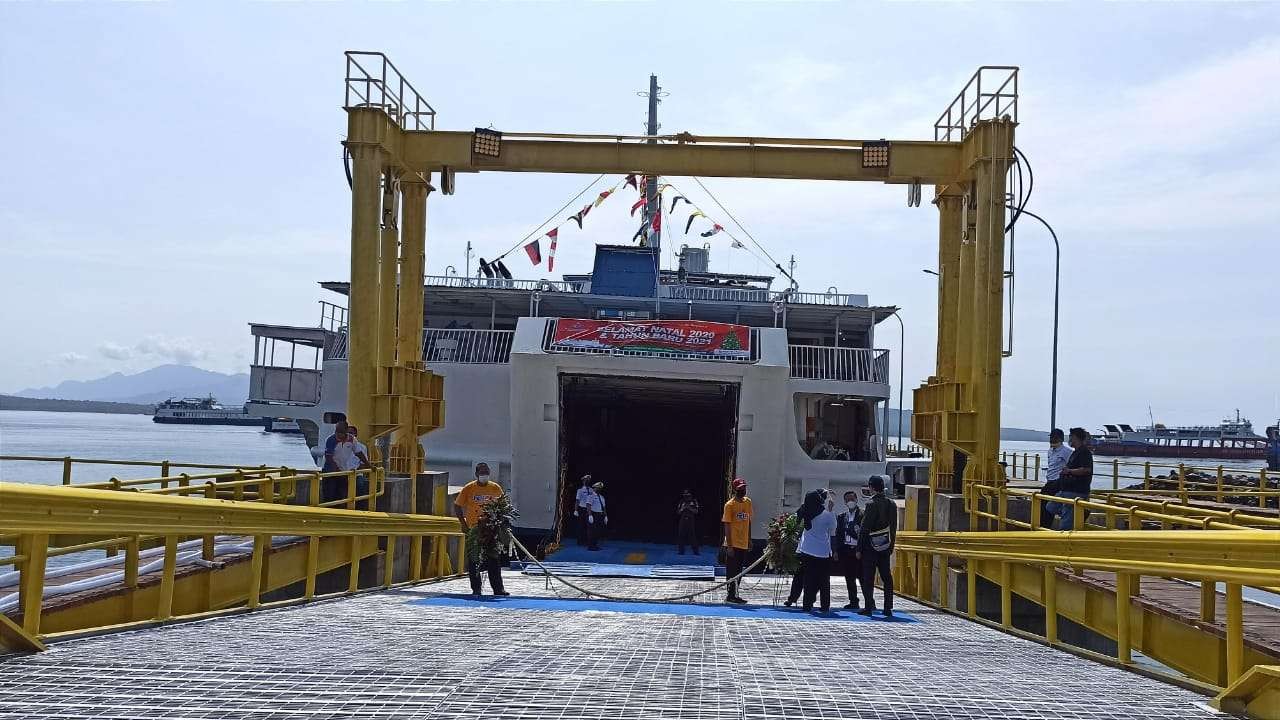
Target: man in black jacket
845 545
1076 479
875 543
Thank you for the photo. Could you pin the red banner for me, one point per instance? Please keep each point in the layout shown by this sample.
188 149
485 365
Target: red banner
671 336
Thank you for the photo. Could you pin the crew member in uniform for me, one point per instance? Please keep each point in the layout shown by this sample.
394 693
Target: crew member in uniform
467 507
597 517
737 536
582 509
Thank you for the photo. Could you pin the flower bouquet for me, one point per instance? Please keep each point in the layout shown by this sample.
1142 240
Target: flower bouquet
784 537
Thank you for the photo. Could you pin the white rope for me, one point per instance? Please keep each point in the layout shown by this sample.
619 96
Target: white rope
604 596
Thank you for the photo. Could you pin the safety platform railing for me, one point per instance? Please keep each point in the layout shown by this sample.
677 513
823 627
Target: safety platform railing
31 515
975 102
464 345
1219 483
1029 564
373 81
845 364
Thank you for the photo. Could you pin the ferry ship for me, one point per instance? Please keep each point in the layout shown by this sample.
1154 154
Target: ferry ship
202 411
595 373
1232 439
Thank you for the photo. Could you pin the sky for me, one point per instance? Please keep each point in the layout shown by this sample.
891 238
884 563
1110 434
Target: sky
173 171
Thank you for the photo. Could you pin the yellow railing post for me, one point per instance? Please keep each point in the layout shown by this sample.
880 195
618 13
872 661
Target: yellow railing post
206 547
1115 474
313 498
260 545
1124 641
1235 633
267 490
971 587
1208 600
353 576
1050 603
351 490
1006 595
1078 513
31 582
66 470
1146 475
389 562
415 558
131 549
944 589
313 562
1033 518
1002 507
1219 483
164 606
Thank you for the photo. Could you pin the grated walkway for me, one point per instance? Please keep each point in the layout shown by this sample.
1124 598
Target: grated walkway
380 656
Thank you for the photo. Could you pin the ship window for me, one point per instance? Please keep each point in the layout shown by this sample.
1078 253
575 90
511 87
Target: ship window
835 428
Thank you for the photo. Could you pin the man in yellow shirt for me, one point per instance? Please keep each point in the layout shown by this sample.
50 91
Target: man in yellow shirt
737 536
467 507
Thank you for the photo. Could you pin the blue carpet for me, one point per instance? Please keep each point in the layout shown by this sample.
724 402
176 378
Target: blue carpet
762 612
578 569
631 553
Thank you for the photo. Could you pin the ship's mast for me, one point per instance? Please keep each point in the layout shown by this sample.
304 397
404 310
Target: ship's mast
652 203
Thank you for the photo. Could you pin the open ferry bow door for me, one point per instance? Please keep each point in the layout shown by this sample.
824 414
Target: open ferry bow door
647 439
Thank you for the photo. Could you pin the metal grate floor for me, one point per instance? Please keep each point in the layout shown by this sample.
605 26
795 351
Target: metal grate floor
376 656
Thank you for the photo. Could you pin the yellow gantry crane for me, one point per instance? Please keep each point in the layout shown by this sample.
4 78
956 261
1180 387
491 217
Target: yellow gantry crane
396 154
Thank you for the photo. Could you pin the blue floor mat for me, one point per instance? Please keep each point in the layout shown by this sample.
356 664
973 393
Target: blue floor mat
631 553
762 612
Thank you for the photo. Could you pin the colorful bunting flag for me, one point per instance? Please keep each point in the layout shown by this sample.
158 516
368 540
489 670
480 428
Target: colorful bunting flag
580 215
639 204
714 229
737 244
535 252
640 235
676 200
554 234
657 219
631 180
601 197
694 214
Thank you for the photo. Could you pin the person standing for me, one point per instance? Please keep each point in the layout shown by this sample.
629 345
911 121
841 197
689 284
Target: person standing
1075 479
736 521
1057 459
338 457
597 517
815 549
875 544
582 508
845 543
359 461
467 507
687 516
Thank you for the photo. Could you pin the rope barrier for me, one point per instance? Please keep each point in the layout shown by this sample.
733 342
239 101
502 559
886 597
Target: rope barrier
620 598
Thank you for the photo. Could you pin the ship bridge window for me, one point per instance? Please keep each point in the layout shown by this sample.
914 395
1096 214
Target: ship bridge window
837 428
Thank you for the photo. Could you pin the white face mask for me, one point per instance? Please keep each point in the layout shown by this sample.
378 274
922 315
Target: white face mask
852 504
482 478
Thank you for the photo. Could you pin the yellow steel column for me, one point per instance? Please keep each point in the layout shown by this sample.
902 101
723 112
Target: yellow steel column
414 190
993 140
1124 638
388 264
1235 632
362 352
31 582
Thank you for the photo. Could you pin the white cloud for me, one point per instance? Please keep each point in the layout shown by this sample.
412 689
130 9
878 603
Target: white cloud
71 358
183 351
114 351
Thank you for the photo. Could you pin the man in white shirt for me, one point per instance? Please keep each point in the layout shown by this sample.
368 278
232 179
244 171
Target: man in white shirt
356 457
1056 460
597 518
582 508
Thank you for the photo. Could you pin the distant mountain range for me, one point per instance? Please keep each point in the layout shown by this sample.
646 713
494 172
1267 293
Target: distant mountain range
1013 434
151 386
9 402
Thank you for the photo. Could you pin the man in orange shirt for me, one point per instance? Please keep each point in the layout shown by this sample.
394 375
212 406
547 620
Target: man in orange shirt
737 536
467 507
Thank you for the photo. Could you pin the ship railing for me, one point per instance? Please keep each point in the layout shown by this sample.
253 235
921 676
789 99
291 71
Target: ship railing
991 93
333 317
460 281
1179 481
461 345
761 295
35 515
335 347
821 362
549 345
1038 564
373 81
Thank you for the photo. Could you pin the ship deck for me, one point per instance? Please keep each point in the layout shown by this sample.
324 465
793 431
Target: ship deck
423 652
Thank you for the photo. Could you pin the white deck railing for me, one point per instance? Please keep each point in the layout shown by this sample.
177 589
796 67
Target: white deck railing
441 345
819 362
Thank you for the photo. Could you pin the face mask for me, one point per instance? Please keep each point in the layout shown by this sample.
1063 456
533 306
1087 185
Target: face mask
482 479
852 504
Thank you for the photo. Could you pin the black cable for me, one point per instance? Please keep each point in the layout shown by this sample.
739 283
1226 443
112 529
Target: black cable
346 165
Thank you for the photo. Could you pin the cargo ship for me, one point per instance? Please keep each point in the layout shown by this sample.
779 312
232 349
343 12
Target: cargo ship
1232 439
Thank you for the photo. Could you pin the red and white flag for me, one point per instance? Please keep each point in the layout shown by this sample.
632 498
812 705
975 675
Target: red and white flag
535 252
554 234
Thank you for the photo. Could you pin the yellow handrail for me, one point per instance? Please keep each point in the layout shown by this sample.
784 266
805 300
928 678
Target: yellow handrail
35 512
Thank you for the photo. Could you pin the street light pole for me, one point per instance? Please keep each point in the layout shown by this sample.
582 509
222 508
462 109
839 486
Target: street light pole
1057 260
